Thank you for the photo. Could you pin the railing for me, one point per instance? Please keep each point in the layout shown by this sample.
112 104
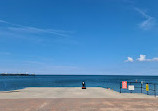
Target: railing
140 86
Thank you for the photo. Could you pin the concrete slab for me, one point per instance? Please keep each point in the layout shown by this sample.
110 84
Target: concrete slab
80 104
67 92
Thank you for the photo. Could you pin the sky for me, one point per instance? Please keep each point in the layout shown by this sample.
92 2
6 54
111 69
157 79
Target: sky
96 37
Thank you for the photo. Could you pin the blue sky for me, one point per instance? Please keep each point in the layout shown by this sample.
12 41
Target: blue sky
111 37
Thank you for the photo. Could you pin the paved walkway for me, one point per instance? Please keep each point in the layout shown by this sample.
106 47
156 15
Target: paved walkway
67 92
81 104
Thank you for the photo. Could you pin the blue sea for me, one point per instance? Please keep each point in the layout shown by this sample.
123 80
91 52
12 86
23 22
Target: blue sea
8 83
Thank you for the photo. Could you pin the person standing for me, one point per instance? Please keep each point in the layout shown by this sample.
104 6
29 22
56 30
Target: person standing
83 85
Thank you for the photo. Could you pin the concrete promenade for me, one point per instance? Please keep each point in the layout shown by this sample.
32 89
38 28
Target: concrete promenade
67 92
74 99
80 104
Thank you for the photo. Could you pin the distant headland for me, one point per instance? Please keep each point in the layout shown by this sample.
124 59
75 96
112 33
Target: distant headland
16 74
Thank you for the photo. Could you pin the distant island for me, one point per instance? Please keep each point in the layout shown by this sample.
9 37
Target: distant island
15 74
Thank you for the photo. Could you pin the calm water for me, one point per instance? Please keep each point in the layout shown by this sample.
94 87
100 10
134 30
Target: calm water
113 82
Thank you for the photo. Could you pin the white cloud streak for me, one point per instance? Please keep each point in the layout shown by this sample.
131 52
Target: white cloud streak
129 59
149 21
27 29
2 21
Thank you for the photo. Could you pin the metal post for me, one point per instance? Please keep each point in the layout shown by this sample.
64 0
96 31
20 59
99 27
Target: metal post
130 90
141 87
155 89
120 87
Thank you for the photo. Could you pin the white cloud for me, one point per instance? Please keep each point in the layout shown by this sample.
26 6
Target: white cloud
129 59
149 21
142 58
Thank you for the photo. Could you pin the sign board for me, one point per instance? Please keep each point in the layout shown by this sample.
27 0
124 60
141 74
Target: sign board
124 84
147 87
131 87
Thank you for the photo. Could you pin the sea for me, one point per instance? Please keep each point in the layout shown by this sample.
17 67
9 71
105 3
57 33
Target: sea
113 82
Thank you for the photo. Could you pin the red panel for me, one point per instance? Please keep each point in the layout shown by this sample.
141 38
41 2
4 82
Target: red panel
124 84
